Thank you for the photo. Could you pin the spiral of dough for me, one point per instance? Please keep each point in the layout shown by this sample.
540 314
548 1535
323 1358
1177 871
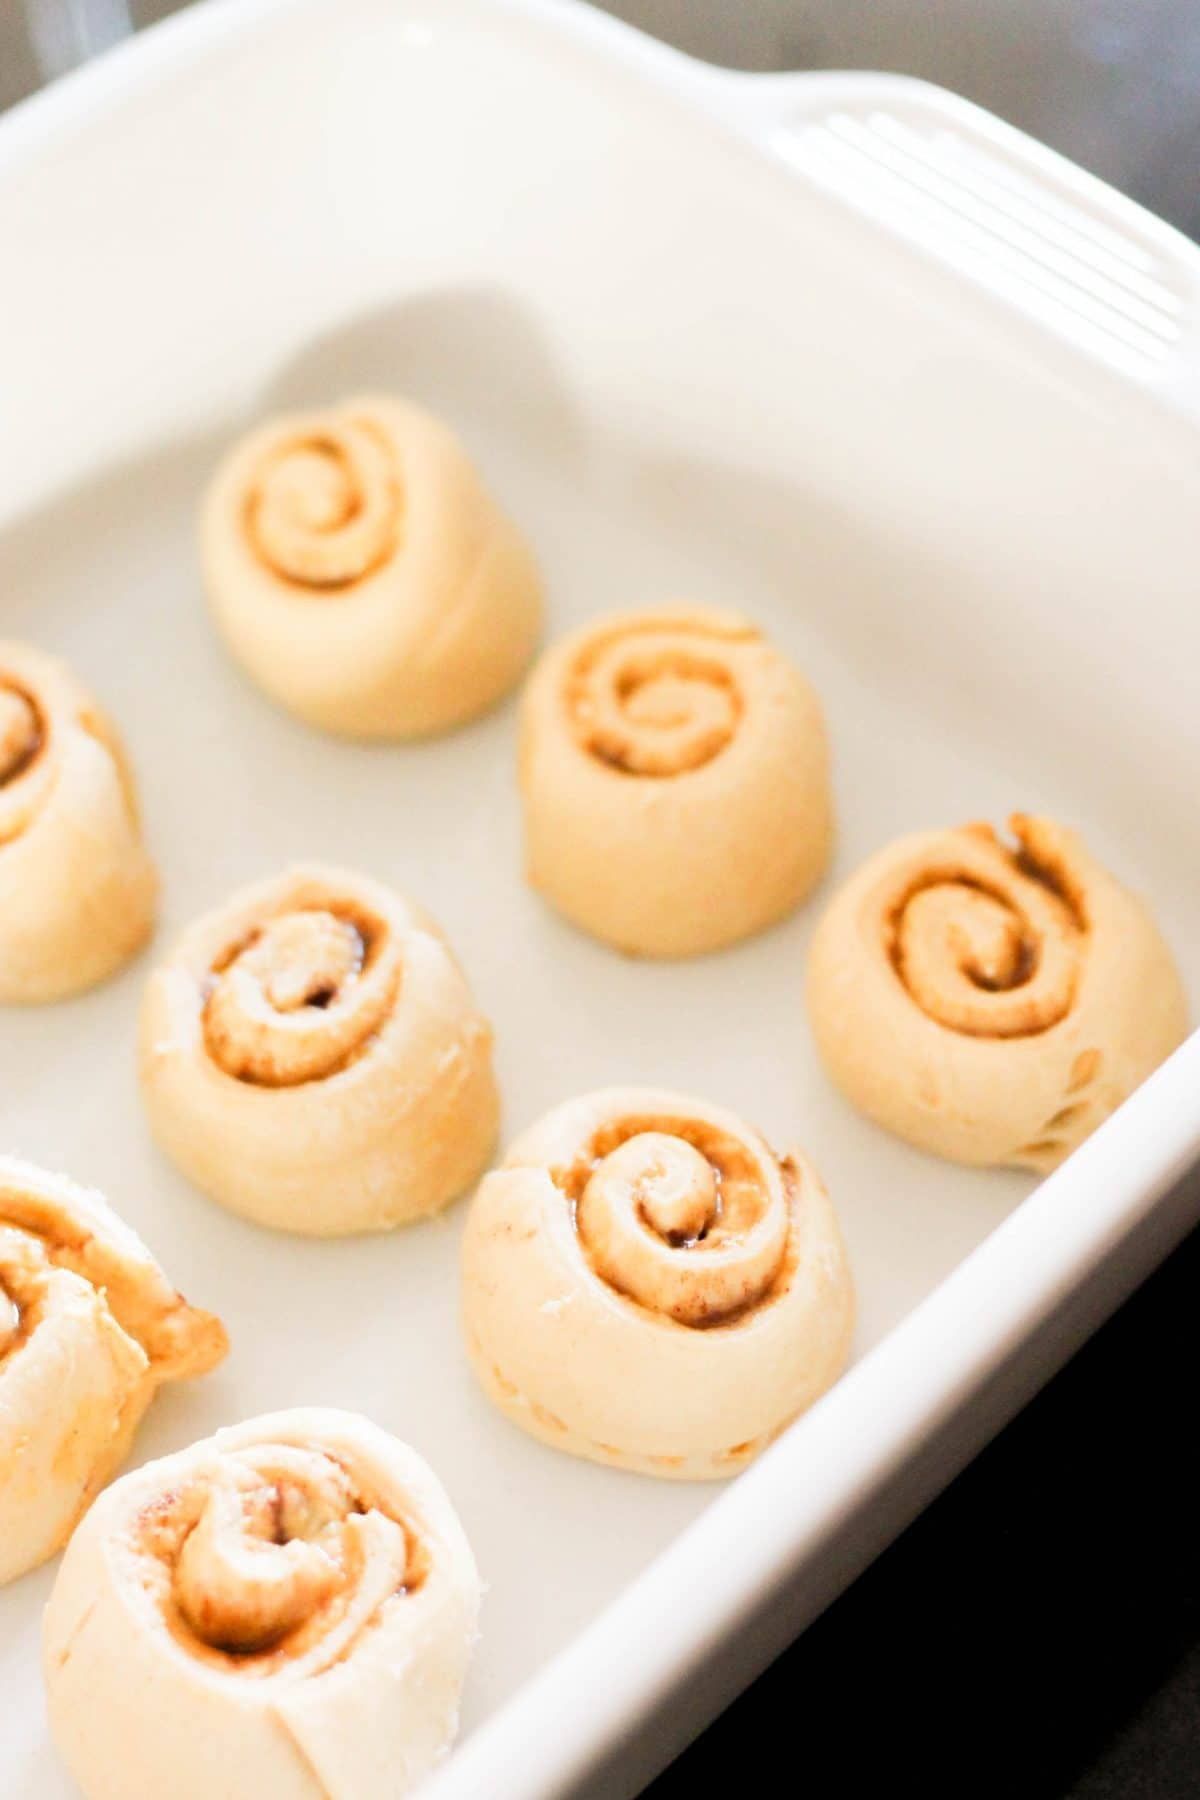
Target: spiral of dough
304 993
656 695
362 574
323 507
675 780
647 1284
298 1595
311 1057
77 889
89 1328
991 1002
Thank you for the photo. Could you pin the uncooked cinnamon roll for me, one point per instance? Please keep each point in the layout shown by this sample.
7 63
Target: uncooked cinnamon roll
77 889
675 779
89 1329
991 1002
646 1283
285 1609
362 574
311 1057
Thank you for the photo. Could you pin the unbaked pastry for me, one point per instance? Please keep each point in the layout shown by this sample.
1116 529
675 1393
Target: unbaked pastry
77 889
285 1609
363 575
675 779
89 1328
647 1284
991 1002
311 1057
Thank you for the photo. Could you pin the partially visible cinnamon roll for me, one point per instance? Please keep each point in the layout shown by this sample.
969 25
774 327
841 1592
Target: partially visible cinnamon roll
362 574
675 780
77 889
284 1610
90 1328
991 1002
647 1284
311 1057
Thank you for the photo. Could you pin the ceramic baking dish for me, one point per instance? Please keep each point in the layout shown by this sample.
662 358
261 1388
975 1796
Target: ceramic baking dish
839 350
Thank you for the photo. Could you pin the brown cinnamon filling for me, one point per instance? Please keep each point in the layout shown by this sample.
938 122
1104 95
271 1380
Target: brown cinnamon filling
364 934
318 959
954 931
19 1318
26 1259
12 1332
290 1515
23 731
734 1208
323 511
730 1161
655 698
1026 954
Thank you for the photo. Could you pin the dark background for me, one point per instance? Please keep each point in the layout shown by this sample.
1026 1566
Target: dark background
1034 1636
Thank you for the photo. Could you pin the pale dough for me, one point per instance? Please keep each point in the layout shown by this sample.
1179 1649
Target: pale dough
90 1327
646 1283
675 779
311 1057
362 574
284 1610
77 889
992 1003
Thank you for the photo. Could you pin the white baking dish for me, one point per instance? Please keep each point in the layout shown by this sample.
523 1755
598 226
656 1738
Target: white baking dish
842 351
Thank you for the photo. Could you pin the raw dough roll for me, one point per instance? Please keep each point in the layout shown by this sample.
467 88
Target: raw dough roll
675 779
362 574
89 1328
991 1003
311 1057
77 889
284 1610
647 1284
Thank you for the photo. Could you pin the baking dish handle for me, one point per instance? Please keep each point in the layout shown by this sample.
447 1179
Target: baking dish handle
1030 227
